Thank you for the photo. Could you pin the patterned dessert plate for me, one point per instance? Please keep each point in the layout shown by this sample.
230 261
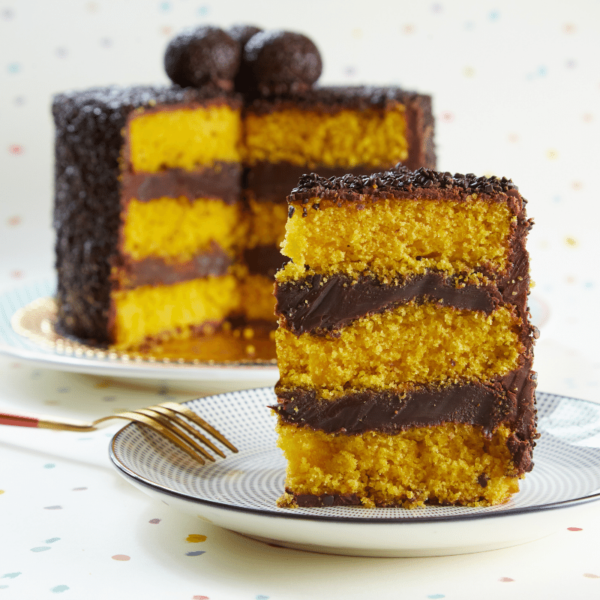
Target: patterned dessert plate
239 493
27 316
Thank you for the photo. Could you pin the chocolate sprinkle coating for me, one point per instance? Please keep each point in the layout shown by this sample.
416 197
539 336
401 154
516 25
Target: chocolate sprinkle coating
400 179
282 62
201 56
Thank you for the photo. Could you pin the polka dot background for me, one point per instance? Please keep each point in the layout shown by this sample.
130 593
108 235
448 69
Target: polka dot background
516 92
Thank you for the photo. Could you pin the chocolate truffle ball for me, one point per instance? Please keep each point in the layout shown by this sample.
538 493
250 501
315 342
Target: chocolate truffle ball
206 54
281 62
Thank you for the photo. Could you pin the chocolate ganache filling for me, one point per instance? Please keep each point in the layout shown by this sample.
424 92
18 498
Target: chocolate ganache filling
329 303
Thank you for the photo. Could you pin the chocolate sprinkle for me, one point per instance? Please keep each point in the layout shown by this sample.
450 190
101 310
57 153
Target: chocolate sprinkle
400 179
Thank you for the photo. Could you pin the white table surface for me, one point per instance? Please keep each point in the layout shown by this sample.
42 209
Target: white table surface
516 90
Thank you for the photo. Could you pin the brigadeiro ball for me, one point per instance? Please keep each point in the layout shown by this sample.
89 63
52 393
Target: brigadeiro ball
206 54
281 62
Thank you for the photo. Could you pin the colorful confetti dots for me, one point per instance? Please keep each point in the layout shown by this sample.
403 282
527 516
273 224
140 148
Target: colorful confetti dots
195 538
436 596
154 521
200 598
59 588
49 466
261 597
40 548
121 557
505 579
591 576
15 149
52 540
195 553
11 575
574 529
14 68
1 492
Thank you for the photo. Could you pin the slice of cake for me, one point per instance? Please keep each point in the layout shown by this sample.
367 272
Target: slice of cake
148 211
404 343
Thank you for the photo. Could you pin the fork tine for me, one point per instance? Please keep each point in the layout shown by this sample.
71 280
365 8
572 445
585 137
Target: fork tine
192 416
159 428
176 418
168 424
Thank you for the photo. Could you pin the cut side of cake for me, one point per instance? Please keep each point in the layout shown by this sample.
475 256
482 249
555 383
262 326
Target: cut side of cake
404 344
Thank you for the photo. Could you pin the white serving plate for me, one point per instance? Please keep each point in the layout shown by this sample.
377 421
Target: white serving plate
239 493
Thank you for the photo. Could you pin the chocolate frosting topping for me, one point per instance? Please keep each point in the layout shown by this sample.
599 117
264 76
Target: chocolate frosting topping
401 181
204 55
281 62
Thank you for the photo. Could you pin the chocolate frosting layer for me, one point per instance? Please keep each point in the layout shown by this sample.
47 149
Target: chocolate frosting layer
317 303
222 180
158 271
390 412
264 260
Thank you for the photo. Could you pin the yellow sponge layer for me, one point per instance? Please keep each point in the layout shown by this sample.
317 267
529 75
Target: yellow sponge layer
267 223
169 310
398 237
388 350
442 463
178 228
346 138
184 138
258 300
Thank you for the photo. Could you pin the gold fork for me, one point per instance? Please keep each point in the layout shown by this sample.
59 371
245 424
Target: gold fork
169 419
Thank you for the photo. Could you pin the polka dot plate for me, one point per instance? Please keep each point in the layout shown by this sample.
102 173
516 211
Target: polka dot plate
239 493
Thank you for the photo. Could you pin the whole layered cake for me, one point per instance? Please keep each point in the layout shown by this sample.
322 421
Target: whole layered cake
404 344
170 200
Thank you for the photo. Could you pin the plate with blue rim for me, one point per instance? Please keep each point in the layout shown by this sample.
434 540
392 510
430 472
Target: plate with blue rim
240 492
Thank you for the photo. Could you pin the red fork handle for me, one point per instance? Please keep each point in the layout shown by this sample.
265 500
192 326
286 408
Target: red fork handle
18 420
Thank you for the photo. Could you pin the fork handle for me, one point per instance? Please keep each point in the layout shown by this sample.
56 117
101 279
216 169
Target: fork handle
62 425
18 420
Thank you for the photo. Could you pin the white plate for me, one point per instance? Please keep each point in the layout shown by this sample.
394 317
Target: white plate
239 493
18 346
